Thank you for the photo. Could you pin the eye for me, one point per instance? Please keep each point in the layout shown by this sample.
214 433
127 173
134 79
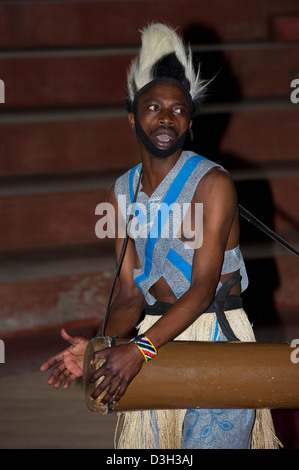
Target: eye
153 107
179 110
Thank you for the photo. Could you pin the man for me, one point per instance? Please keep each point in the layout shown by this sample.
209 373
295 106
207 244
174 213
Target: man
176 278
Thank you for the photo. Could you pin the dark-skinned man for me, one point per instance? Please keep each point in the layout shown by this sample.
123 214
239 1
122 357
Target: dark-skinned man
183 266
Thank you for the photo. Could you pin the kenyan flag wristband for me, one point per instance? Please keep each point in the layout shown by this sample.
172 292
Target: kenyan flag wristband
145 346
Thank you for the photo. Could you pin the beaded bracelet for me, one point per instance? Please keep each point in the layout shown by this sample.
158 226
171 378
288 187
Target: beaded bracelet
145 346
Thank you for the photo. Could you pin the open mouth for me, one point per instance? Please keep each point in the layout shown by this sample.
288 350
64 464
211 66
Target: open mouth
164 137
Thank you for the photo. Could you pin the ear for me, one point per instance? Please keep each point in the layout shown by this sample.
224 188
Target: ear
132 120
190 124
190 131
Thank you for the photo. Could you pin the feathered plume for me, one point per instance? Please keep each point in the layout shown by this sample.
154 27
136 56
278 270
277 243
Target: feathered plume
163 54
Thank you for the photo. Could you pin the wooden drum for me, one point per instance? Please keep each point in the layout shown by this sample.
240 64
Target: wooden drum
190 374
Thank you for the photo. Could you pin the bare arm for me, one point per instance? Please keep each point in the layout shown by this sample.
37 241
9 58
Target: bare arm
126 310
122 362
128 303
219 229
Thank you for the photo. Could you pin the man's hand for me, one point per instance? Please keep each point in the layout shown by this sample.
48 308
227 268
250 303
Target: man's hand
122 364
69 362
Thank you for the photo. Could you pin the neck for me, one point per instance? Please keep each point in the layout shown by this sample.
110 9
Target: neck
155 169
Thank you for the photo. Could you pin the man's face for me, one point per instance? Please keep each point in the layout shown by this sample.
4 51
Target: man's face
164 114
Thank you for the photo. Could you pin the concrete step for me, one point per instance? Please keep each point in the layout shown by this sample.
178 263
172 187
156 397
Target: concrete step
47 220
89 78
40 290
27 25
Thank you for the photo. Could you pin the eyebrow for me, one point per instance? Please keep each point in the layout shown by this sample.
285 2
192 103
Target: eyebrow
177 103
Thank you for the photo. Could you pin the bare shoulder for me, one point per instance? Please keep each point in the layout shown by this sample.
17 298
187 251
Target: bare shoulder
110 193
218 176
217 183
111 197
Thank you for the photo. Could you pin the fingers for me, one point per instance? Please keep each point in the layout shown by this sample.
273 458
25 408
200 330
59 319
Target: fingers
107 381
114 385
44 366
117 371
64 334
58 357
61 375
69 338
57 376
50 362
119 393
101 354
114 389
73 340
69 379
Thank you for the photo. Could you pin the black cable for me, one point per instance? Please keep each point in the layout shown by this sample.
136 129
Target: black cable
251 218
121 257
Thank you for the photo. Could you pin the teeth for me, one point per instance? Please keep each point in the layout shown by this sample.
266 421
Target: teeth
164 138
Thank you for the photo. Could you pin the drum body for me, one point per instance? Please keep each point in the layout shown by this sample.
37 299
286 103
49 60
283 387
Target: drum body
190 374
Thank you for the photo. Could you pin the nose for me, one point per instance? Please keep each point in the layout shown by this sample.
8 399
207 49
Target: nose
166 117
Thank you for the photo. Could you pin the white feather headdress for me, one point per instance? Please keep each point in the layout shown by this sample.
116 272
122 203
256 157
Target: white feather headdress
163 54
